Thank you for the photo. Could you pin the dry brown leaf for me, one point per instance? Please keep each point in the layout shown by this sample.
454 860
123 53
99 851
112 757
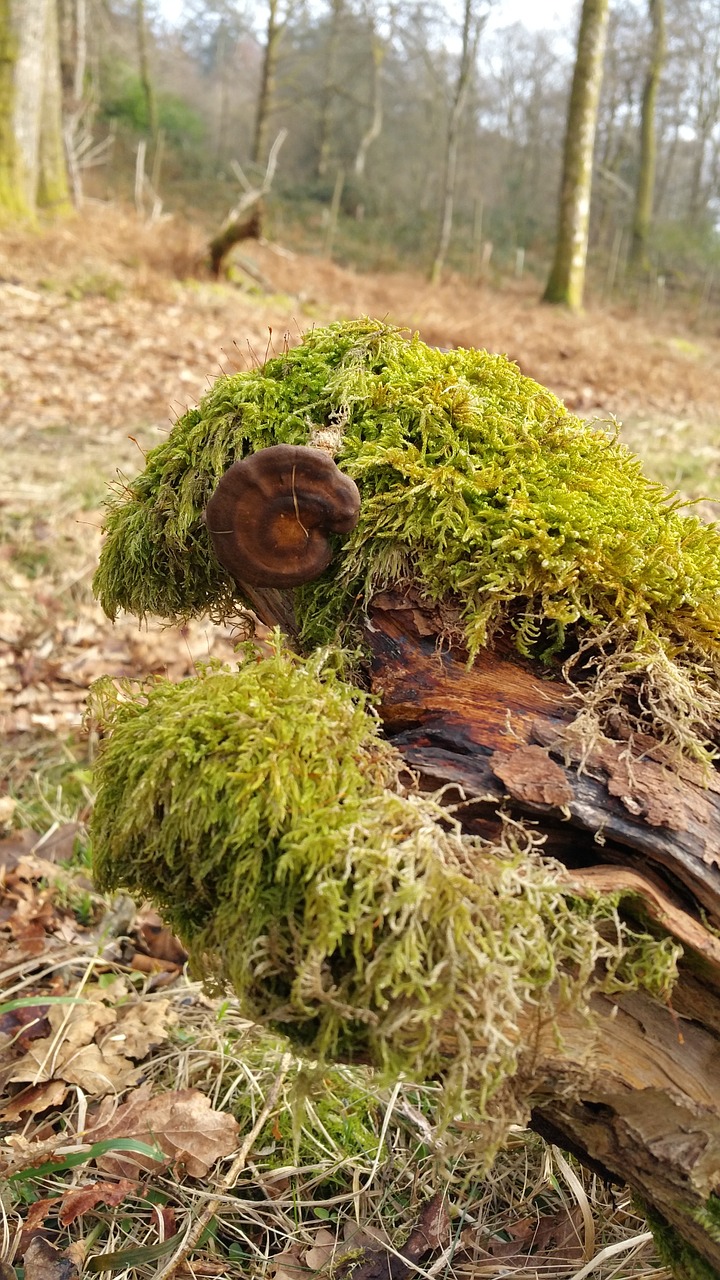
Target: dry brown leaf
289 1264
79 1201
322 1251
182 1123
33 1100
141 1027
552 1240
92 1041
44 1262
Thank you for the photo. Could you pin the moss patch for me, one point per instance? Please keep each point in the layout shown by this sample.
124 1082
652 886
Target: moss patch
477 486
263 814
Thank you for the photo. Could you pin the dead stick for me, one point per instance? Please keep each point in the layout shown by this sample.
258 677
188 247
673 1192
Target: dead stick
231 1177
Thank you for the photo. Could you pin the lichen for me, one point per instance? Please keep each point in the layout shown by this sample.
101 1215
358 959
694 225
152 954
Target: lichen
477 486
263 813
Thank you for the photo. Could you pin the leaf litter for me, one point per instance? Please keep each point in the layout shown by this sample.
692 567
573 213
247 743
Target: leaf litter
93 1046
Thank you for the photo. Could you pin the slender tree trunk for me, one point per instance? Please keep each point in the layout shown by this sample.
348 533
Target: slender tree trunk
648 153
267 83
374 129
13 199
52 188
323 158
567 278
146 80
30 17
470 36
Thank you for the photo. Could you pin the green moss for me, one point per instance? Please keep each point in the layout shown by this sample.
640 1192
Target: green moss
262 812
684 1261
478 487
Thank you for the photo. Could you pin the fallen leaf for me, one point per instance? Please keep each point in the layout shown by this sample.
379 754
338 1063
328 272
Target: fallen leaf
34 1099
182 1123
552 1240
322 1251
44 1262
25 1024
158 941
93 1040
142 1027
79 1201
430 1232
289 1265
15 846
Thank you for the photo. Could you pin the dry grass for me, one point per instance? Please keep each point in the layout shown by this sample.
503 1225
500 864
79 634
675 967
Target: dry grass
105 338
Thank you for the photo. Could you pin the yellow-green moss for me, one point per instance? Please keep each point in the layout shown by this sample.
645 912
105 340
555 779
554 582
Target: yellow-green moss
262 812
477 486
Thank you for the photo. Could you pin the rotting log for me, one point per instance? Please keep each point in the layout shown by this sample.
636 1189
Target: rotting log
636 1096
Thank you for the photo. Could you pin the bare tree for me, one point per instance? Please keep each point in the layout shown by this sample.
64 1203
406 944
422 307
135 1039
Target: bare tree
567 277
337 10
275 26
645 187
146 79
473 22
374 128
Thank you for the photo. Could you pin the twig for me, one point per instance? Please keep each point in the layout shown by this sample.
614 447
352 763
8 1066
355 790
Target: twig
230 1178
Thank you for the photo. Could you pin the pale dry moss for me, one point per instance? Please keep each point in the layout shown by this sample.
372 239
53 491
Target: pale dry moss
478 487
263 814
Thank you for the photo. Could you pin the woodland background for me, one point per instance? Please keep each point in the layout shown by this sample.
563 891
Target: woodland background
131 143
384 110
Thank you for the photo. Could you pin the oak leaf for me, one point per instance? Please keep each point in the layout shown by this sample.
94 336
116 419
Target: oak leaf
182 1123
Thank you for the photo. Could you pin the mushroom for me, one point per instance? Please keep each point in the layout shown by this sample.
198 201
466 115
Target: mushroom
271 514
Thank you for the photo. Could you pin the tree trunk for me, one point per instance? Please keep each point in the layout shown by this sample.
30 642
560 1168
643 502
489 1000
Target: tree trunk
329 89
644 190
567 278
636 1095
374 129
13 200
52 190
31 21
33 88
471 33
267 83
146 79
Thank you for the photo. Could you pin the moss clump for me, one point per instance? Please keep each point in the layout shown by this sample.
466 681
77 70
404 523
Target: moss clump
262 813
684 1261
477 486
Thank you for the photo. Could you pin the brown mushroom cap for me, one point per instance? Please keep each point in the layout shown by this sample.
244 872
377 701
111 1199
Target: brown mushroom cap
271 514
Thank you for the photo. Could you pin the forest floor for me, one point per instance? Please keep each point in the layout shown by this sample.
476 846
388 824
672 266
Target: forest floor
107 336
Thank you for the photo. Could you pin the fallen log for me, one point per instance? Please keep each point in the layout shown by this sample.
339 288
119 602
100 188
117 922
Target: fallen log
541 633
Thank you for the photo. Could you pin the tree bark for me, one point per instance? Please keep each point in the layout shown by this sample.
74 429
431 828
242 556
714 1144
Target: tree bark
567 277
329 88
13 198
32 107
267 83
472 25
53 192
374 128
645 187
635 1094
31 20
146 79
